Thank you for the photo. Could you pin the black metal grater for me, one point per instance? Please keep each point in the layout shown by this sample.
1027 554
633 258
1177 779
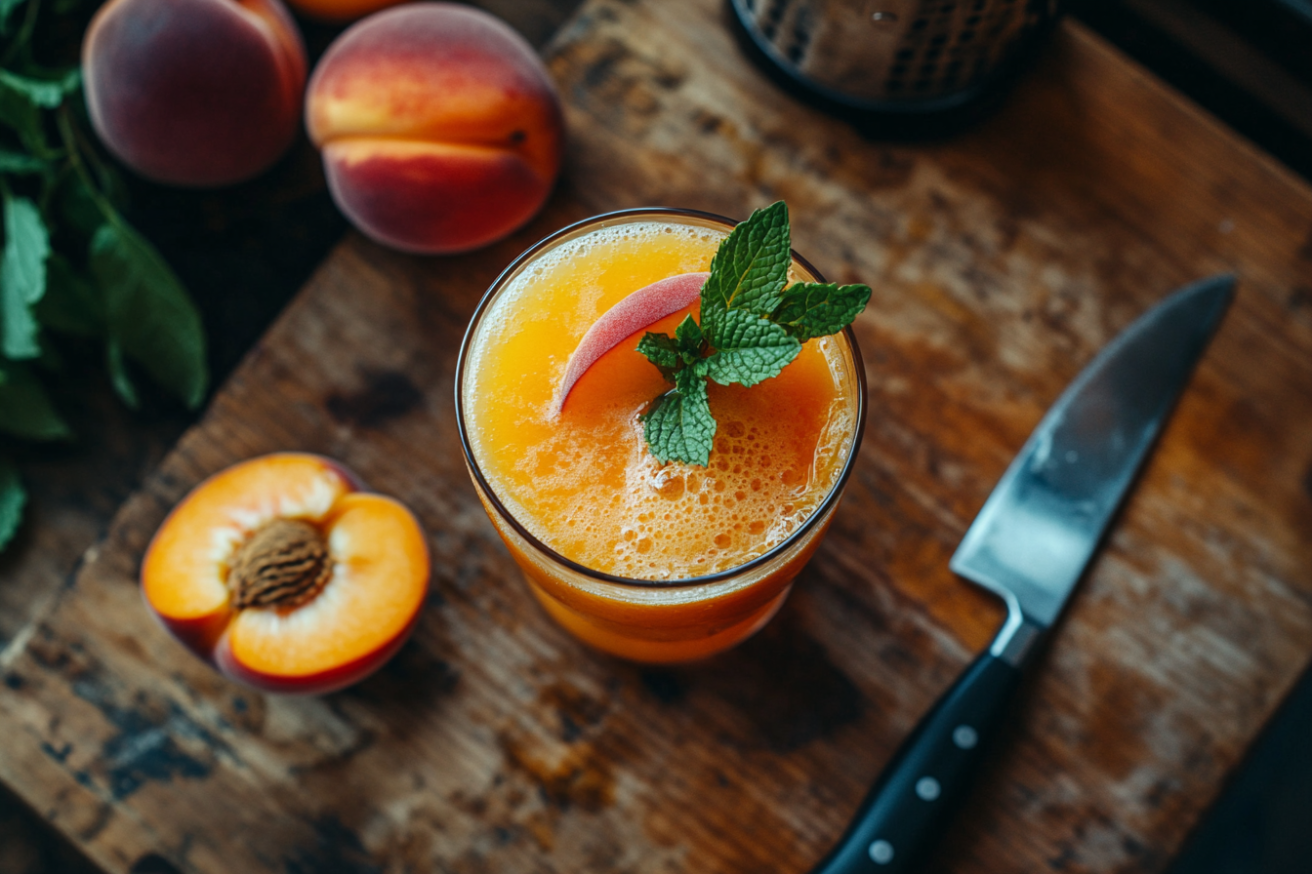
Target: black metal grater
897 58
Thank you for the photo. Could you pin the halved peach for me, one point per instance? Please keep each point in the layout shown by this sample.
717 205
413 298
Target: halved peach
286 576
637 310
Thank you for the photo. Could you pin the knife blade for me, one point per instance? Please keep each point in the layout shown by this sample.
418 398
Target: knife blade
1030 544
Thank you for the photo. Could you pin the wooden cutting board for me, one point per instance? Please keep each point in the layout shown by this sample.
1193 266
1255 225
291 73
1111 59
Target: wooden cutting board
1001 261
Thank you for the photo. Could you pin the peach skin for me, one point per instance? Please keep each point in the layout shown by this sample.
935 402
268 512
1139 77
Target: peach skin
285 576
440 128
640 309
339 10
194 92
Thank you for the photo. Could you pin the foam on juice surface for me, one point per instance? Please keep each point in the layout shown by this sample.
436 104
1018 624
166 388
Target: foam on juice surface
583 482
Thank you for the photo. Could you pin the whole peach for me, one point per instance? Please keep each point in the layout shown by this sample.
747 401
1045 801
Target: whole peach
440 128
194 92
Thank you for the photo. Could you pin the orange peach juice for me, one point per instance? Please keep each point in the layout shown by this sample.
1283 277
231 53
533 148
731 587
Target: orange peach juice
653 562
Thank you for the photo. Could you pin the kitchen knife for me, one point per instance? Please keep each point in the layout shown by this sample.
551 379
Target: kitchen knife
1030 544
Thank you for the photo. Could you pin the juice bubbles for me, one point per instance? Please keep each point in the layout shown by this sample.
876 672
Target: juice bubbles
658 563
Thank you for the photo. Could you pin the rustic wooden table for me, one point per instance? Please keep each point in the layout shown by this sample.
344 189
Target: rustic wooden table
1002 259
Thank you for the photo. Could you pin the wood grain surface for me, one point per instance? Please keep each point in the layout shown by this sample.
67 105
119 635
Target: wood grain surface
1001 261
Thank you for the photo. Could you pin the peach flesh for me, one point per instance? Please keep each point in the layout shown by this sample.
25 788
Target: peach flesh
440 128
641 308
194 92
357 621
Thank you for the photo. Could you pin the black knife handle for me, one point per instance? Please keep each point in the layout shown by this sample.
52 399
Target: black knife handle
911 804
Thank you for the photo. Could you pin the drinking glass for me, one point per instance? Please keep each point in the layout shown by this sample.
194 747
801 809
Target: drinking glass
658 621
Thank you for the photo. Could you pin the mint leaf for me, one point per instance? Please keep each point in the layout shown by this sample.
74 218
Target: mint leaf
12 499
21 100
679 426
750 349
21 163
25 409
18 113
7 8
749 269
672 354
690 338
812 309
78 210
148 311
663 351
71 304
45 93
22 277
118 375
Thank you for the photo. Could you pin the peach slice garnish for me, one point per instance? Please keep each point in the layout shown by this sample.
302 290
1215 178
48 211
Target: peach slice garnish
286 576
641 308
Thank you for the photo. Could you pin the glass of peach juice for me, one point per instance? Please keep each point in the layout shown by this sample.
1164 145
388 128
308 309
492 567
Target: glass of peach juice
652 562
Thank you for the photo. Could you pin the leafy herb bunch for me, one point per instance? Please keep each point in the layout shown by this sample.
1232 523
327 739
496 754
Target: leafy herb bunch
70 264
752 325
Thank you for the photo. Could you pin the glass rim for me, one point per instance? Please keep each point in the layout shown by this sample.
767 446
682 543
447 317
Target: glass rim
821 510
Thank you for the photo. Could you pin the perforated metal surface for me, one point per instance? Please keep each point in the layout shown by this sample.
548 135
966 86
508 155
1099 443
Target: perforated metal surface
868 52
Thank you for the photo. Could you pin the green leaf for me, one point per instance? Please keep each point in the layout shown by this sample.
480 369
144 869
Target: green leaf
45 93
811 309
78 210
749 269
25 409
750 349
672 354
679 426
661 350
7 8
69 80
22 277
690 339
21 101
18 112
21 163
12 498
71 303
148 311
23 97
118 375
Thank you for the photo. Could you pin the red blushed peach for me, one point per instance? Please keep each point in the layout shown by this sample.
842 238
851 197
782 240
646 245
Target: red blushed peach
285 576
440 128
194 92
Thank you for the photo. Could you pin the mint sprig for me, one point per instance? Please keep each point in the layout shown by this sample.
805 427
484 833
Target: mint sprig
753 325
72 270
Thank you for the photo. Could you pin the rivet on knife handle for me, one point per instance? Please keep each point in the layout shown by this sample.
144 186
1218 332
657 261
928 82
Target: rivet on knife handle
926 780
